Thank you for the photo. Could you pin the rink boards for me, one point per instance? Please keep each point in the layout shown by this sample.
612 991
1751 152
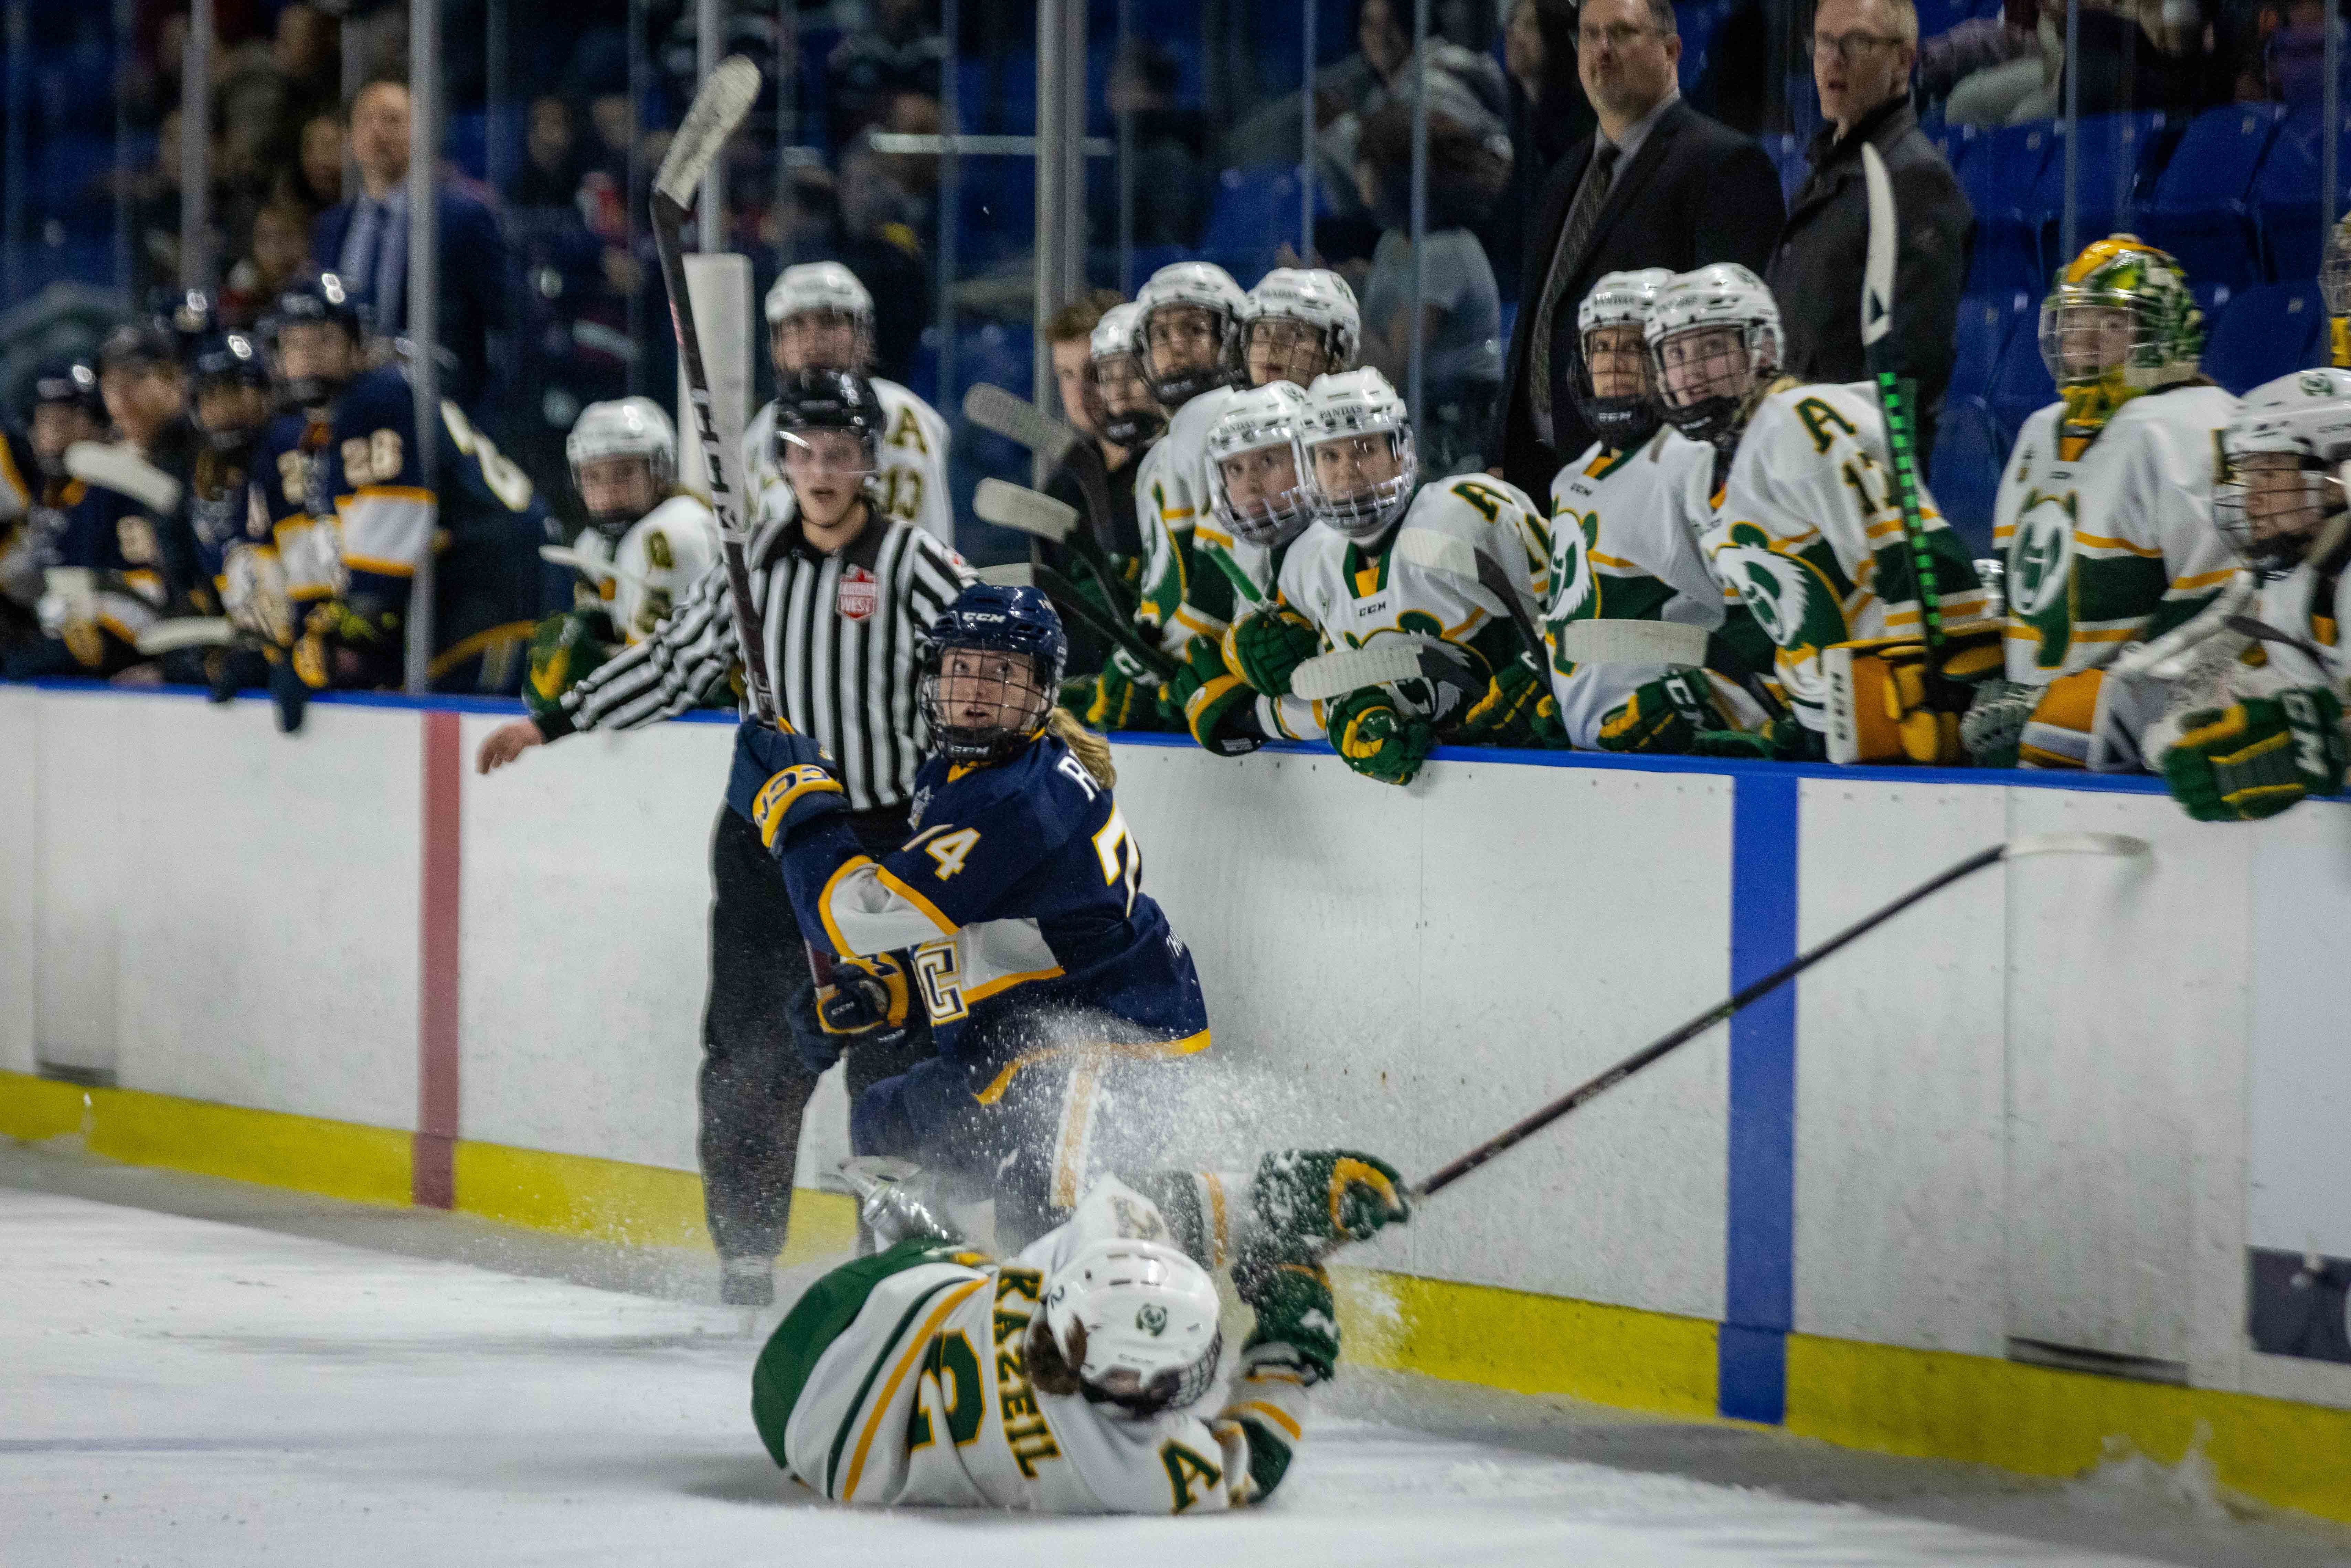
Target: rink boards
2071 1113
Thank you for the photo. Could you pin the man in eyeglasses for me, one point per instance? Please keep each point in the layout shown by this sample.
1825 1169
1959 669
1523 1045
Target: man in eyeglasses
1656 184
1861 54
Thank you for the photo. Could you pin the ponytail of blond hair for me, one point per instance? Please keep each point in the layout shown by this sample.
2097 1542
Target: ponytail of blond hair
1086 745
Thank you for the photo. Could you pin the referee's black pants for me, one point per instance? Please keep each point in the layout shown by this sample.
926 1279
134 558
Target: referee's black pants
753 1084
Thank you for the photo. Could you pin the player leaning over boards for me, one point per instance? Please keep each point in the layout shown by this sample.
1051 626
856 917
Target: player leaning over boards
1188 342
1347 583
1123 695
2250 735
2104 513
1078 1375
821 318
1625 520
1809 531
646 544
1054 985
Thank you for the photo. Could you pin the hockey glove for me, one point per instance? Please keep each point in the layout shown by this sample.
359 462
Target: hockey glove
2252 761
1779 740
354 645
1218 708
1518 709
1124 696
1294 1310
780 781
1375 741
562 651
1264 648
867 997
1994 723
1304 1201
819 1047
1666 716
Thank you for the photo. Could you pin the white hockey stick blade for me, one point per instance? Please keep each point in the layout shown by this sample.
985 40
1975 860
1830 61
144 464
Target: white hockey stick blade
1017 420
1631 643
187 632
1012 574
1877 264
588 566
718 109
1029 511
2157 658
1335 674
124 472
1435 551
2026 844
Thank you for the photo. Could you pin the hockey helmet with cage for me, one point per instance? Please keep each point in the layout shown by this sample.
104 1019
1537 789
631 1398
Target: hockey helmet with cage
626 427
1316 299
191 315
1262 419
831 399
1344 407
2119 281
72 381
1620 300
968 721
2282 456
825 289
1136 1321
1192 285
2334 283
1114 356
323 300
1718 394
228 360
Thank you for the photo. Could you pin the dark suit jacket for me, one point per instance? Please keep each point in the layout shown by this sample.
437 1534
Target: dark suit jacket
473 278
1697 193
1816 271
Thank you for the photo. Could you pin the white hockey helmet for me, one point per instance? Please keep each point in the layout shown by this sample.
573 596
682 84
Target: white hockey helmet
1315 299
2334 277
824 288
1717 393
1620 299
1198 286
1115 355
2282 460
1140 1308
1341 407
1261 419
627 427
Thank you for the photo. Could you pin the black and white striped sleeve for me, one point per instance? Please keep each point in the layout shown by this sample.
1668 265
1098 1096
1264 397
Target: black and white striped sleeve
661 676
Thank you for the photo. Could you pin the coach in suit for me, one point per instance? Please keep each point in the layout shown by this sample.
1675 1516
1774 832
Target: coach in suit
365 240
1658 185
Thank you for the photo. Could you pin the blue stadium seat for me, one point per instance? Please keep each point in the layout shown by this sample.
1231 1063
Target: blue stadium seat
1256 210
2022 383
2265 332
1698 23
1969 451
2285 195
1999 177
2198 208
1981 332
996 211
1787 155
2114 150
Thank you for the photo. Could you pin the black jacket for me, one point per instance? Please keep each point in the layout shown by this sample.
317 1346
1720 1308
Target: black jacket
1816 270
1698 191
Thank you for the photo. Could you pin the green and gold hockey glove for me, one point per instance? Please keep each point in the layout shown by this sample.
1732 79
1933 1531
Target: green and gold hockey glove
1518 709
1779 740
1666 716
1124 698
1305 1201
2253 760
1375 741
353 645
1293 1309
1266 647
563 650
1218 708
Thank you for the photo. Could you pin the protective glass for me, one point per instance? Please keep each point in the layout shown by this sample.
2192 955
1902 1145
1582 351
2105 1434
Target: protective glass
1279 349
979 702
2270 505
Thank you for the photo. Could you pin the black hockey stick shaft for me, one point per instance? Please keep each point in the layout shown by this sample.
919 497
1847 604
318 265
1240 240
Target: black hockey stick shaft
1592 1089
1103 625
669 217
1897 393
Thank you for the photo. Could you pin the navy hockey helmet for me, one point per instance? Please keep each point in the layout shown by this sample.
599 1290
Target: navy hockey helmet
228 360
321 299
831 399
988 713
72 381
137 345
190 315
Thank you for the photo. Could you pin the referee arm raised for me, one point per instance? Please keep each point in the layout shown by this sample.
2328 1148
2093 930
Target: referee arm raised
842 594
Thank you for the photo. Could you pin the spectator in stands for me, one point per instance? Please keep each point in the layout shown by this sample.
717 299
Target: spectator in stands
309 52
899 51
366 240
878 238
1657 185
549 176
1069 332
1862 54
1460 324
1467 86
1983 66
314 180
1171 145
1548 114
280 251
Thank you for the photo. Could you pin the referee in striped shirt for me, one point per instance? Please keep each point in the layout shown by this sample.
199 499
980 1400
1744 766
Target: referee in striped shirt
844 596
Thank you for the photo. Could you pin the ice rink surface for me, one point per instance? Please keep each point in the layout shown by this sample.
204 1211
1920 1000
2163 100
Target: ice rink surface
177 1389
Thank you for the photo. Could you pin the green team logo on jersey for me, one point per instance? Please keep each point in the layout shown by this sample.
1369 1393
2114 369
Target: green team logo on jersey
1796 607
1152 1319
2041 572
1573 537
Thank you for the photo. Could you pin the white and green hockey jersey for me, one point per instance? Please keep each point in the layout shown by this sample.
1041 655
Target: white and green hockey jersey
912 482
1183 596
1809 533
2114 543
654 565
1625 532
1355 598
901 1380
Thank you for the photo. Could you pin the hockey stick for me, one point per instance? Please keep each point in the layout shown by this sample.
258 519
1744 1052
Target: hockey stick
1585 1093
1896 394
1017 420
589 566
187 632
1435 551
112 466
1074 604
1041 515
1631 642
716 110
1344 670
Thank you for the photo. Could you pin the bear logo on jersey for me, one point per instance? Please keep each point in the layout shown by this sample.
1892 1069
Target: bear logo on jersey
2041 571
1573 535
1152 1319
1795 607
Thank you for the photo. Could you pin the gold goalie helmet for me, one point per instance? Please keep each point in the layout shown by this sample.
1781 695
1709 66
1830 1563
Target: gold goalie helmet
2119 322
